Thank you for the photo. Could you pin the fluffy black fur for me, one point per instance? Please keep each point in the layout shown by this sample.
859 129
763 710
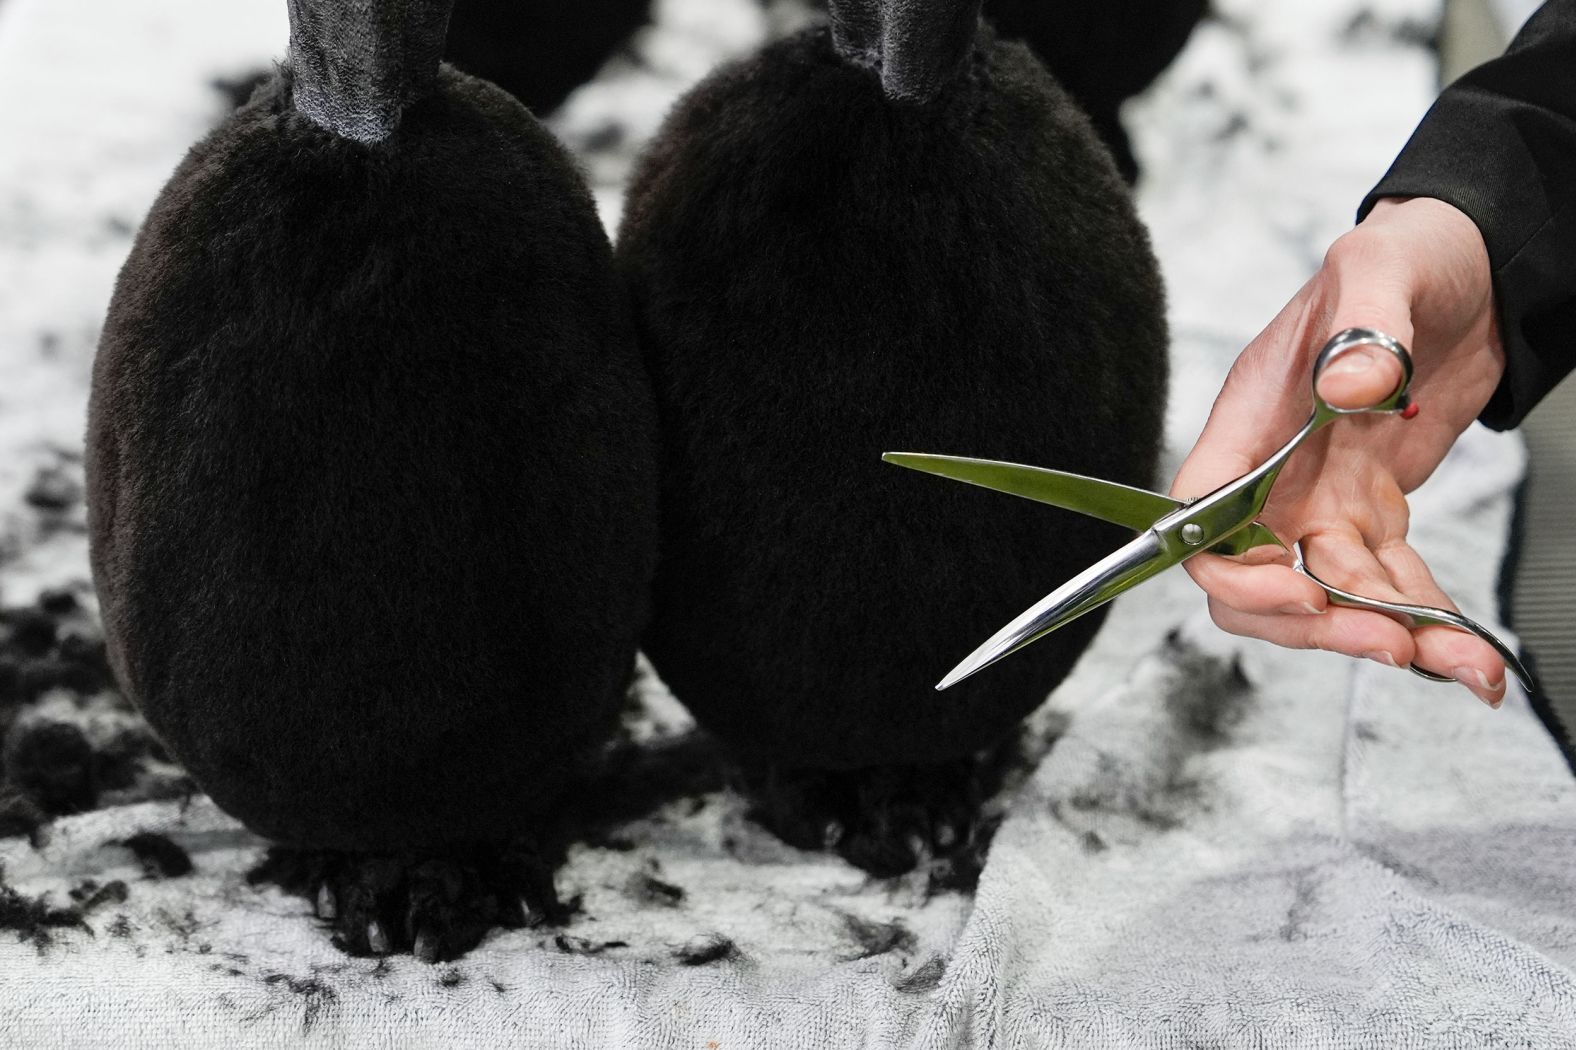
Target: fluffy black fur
823 274
1102 51
540 50
371 473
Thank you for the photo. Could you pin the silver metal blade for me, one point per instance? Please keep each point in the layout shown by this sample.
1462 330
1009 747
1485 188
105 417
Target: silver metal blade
1124 568
1134 508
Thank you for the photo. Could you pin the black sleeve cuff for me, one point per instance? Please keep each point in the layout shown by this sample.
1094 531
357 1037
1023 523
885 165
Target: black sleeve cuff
1500 145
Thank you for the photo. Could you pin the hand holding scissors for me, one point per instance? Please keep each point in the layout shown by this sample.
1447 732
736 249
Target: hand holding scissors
1224 521
1418 271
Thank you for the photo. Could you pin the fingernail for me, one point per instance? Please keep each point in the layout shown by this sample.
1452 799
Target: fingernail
1476 680
1379 656
1301 609
1351 363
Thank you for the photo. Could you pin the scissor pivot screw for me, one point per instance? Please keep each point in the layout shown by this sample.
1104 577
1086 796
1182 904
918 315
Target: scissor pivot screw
1192 534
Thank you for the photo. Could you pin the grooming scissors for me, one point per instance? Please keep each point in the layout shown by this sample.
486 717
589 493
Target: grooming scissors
1171 530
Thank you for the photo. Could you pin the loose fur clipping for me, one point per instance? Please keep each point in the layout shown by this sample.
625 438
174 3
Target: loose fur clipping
821 275
371 473
68 742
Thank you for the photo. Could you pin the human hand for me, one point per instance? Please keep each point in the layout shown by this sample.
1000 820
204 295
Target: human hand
1417 270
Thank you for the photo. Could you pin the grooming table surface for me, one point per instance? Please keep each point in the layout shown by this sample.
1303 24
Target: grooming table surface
1227 844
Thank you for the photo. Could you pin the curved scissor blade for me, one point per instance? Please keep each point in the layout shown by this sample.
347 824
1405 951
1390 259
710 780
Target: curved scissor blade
1107 500
1134 508
1124 568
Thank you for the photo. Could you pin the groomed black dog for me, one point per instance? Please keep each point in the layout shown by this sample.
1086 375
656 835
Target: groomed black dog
371 467
893 233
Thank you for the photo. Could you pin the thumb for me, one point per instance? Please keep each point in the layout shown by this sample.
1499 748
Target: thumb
1366 375
1360 377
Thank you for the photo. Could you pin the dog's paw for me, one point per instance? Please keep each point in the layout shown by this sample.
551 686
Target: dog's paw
434 905
886 820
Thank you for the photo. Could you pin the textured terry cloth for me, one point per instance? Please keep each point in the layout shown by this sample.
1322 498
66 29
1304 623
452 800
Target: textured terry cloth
1229 844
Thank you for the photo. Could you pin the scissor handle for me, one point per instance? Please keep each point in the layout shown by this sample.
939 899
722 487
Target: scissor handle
1350 339
1414 616
1207 521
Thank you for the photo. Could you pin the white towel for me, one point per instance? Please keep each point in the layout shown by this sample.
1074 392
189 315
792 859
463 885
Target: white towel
1229 845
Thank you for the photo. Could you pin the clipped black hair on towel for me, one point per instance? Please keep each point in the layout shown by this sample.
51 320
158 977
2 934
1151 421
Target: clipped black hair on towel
160 856
35 919
827 265
371 453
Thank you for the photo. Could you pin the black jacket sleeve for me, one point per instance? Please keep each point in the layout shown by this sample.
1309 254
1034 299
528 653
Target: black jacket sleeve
1500 144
